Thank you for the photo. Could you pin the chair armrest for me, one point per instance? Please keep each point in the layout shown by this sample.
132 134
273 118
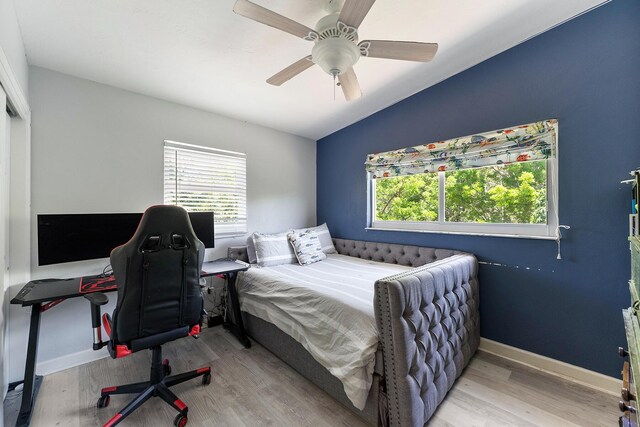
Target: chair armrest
97 299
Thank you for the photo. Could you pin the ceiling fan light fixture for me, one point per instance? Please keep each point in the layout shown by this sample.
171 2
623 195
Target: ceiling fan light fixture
336 49
335 55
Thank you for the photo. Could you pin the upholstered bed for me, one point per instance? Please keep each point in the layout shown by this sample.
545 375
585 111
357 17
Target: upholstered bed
425 315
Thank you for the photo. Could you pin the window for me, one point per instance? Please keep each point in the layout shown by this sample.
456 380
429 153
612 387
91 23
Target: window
509 188
207 179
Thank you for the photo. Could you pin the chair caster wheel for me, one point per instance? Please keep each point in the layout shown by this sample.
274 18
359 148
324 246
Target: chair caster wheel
206 379
166 367
103 401
180 421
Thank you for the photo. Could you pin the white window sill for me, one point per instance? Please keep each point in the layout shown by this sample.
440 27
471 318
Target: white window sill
229 236
462 233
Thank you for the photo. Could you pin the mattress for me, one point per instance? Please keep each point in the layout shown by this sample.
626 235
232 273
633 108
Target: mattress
328 308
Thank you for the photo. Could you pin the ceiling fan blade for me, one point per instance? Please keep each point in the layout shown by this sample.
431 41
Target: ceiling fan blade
265 16
407 51
291 71
354 11
349 84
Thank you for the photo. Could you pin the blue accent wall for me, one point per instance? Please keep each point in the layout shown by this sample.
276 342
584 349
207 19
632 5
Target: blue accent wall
585 73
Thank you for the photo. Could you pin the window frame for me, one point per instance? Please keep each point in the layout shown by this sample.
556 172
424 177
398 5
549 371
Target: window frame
531 231
221 229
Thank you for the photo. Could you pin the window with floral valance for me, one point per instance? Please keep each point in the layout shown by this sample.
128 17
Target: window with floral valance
502 182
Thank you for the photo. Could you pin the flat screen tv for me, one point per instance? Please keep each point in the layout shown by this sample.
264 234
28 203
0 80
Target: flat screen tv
78 237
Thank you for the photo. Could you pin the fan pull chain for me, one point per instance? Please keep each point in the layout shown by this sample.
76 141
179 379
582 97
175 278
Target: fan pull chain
334 87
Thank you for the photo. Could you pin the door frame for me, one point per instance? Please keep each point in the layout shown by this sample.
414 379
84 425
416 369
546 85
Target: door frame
20 174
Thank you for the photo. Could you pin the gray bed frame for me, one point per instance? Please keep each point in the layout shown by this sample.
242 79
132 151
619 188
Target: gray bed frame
429 326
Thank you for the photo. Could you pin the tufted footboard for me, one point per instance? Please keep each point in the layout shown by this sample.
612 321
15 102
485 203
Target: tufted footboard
429 327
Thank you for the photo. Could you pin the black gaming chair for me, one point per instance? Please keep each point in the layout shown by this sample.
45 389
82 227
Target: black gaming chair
159 300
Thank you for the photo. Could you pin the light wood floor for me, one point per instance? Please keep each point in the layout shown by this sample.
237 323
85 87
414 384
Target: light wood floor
254 388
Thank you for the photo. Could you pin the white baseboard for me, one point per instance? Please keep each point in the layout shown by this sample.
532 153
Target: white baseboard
580 375
69 361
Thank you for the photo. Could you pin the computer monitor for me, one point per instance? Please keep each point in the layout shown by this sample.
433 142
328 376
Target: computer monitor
78 237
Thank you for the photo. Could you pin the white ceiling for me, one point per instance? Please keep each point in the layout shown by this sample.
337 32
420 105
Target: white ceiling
199 53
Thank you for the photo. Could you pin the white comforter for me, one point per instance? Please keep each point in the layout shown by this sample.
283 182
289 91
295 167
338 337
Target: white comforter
328 308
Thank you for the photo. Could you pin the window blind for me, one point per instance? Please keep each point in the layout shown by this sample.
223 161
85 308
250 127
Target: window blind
524 143
206 179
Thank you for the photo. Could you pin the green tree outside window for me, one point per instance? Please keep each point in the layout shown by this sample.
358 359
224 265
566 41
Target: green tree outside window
505 194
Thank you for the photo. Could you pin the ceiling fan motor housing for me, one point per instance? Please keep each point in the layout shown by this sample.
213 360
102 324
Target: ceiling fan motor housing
335 50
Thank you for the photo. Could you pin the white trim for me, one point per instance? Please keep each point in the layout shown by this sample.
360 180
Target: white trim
15 95
230 235
69 361
496 229
201 148
596 380
548 231
463 233
442 197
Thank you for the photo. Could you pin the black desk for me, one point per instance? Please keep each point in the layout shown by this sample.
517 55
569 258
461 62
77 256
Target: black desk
230 269
42 295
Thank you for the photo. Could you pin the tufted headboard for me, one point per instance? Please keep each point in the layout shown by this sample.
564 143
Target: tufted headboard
411 256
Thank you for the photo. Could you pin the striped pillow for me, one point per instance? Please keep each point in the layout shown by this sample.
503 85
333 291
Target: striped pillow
273 249
306 246
325 237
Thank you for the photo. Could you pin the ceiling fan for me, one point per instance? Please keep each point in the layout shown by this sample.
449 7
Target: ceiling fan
336 48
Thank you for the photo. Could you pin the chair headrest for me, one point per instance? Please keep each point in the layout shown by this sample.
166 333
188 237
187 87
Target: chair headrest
164 225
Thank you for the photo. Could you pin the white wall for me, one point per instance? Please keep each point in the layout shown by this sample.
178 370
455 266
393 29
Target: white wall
96 148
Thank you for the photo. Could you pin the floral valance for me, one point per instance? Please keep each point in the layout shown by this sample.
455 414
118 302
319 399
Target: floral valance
534 141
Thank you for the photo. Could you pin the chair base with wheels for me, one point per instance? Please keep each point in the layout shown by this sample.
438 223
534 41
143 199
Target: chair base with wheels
157 386
160 378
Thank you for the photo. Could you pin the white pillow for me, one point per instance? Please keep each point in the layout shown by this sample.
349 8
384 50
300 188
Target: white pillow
306 246
325 237
273 249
